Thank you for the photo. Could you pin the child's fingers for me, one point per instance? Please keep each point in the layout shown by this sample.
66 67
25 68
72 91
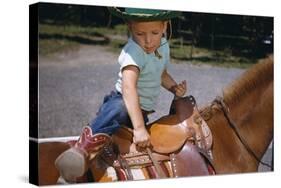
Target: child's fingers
143 144
181 86
180 91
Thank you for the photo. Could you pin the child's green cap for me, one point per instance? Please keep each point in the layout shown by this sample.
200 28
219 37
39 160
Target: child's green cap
138 14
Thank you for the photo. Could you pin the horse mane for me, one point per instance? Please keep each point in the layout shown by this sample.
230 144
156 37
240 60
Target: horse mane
258 75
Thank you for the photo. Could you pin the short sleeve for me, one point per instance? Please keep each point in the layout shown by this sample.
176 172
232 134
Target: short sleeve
131 54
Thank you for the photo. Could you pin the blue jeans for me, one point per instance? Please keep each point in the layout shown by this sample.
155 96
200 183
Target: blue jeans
112 114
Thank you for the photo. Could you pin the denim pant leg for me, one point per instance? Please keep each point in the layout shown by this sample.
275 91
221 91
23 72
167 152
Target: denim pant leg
111 115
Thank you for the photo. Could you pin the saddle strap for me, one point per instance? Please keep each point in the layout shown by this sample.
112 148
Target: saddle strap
126 167
158 168
141 160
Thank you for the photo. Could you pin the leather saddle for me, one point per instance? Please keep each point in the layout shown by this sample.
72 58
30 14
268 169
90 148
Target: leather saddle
183 138
169 133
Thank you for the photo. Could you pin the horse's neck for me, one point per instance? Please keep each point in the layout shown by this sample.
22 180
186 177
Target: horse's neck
230 155
253 116
250 103
250 100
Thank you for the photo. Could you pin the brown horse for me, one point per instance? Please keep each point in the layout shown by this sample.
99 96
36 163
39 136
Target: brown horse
248 102
247 105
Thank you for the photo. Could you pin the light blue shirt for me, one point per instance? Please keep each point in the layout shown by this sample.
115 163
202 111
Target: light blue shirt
151 68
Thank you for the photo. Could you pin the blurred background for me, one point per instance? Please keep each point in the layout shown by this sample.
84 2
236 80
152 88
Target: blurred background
221 39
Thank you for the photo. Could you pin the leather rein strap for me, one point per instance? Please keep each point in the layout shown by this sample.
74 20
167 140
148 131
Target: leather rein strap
158 168
219 101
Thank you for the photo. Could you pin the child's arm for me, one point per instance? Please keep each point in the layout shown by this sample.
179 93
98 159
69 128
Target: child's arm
169 83
130 96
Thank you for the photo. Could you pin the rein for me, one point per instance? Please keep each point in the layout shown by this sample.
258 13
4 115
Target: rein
219 101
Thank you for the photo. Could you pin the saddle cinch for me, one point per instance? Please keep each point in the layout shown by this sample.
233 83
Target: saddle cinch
183 138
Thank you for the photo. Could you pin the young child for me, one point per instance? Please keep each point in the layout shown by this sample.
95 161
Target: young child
143 70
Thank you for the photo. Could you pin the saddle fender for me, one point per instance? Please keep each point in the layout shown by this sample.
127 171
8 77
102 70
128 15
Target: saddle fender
188 162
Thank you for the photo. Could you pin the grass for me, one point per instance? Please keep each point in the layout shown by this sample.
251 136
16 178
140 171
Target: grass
199 55
48 47
57 38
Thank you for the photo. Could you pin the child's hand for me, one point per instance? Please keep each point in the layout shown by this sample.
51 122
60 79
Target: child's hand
180 89
141 137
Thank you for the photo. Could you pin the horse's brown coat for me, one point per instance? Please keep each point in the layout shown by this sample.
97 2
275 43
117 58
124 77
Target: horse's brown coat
48 152
250 101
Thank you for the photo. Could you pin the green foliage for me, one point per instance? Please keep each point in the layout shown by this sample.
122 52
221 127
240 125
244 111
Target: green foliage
57 38
48 47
